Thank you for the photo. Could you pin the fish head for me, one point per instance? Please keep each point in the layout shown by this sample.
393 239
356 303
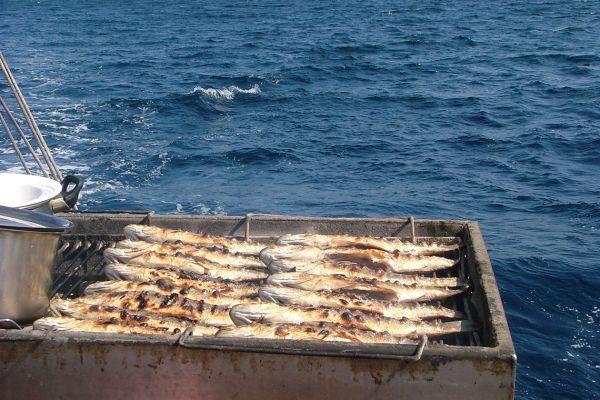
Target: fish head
277 294
279 266
244 314
299 253
137 232
289 278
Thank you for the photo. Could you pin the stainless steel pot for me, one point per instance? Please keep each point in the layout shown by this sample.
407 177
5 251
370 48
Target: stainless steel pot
38 193
28 242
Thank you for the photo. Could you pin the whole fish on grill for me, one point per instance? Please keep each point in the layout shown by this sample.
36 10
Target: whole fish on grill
244 314
110 314
180 280
176 263
390 309
390 245
216 256
316 331
385 289
114 326
222 297
377 259
160 235
174 305
351 270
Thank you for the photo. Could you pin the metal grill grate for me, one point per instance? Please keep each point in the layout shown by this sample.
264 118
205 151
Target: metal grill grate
80 262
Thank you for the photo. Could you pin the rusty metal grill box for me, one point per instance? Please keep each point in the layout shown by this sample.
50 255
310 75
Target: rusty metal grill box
36 364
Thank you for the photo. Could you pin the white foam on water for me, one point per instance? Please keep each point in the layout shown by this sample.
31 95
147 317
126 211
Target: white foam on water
164 160
227 93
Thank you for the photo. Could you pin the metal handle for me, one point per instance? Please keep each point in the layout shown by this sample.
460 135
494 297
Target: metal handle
71 196
332 348
12 324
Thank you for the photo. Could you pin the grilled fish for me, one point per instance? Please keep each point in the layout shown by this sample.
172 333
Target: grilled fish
376 259
180 280
390 245
390 309
350 270
174 305
385 289
244 314
217 257
222 297
319 331
160 235
110 314
72 324
176 263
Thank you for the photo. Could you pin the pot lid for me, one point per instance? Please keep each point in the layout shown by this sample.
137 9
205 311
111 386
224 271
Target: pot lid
26 220
21 190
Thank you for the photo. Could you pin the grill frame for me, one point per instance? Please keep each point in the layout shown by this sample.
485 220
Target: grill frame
497 357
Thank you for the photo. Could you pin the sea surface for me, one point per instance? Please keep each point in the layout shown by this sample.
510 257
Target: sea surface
486 111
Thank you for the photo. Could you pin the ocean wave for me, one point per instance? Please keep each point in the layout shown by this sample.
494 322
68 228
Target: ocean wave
227 93
259 156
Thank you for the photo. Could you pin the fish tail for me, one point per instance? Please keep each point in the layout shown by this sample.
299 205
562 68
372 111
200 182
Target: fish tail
118 272
113 254
56 323
104 287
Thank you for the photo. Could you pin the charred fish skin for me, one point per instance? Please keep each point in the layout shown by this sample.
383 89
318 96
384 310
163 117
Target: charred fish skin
219 296
371 258
350 270
155 234
175 305
391 309
197 253
320 331
244 314
184 264
180 280
79 325
384 289
110 314
389 245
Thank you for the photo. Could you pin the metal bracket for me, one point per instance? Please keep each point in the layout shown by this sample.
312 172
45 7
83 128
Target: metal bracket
413 236
416 356
181 341
11 324
146 220
247 226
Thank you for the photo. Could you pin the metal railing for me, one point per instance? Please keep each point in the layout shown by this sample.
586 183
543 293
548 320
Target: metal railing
50 169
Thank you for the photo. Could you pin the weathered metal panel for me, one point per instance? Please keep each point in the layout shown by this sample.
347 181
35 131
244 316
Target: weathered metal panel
71 369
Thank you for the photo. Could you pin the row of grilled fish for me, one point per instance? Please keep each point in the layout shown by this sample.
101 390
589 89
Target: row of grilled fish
172 286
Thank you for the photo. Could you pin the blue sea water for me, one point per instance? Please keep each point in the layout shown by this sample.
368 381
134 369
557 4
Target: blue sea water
477 110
